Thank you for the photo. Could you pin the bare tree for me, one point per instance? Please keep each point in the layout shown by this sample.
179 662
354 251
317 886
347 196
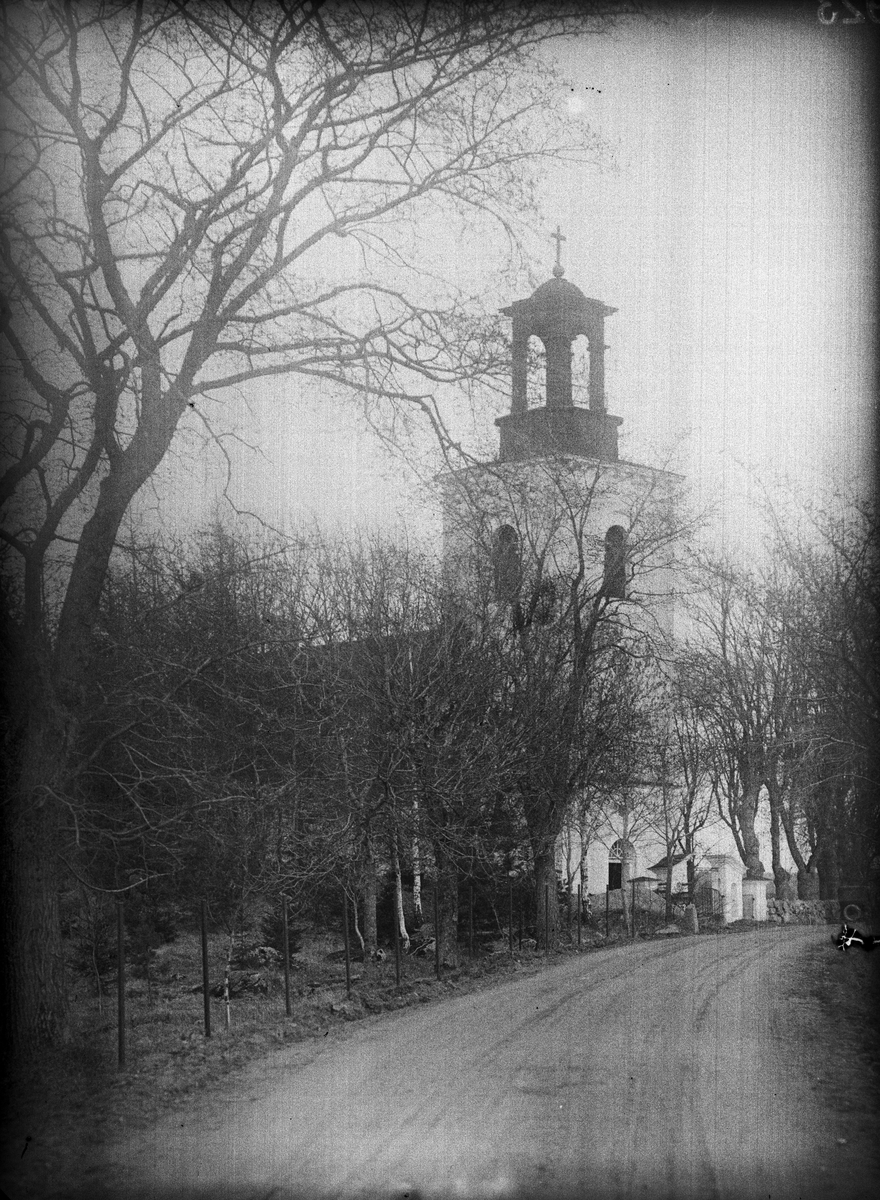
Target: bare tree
456 756
582 824
193 732
690 769
411 695
783 712
830 559
678 765
369 603
173 170
724 679
634 791
529 547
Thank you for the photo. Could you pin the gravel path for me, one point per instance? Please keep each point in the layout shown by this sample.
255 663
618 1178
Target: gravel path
659 1070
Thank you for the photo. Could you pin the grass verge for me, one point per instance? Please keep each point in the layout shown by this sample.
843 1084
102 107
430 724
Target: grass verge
75 1100
62 1109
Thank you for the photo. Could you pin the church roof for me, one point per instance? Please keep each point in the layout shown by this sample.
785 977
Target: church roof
558 294
558 290
662 864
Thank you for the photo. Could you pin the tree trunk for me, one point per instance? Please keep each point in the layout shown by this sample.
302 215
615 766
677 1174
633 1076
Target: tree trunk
34 976
780 875
691 868
627 873
446 883
370 897
808 882
357 928
418 917
785 887
47 730
568 849
803 868
545 887
398 896
829 869
751 848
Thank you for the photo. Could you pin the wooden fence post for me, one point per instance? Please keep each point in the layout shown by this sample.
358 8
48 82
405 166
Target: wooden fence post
347 948
286 955
120 980
205 993
396 949
436 931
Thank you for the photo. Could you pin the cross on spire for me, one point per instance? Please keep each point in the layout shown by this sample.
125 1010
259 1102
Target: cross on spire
559 237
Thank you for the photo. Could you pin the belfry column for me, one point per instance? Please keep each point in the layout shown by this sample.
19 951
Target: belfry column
597 371
557 312
519 367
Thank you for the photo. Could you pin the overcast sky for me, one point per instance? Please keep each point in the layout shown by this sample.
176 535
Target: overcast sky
731 222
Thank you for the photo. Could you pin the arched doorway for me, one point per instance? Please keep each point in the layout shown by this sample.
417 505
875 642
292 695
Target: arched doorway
621 852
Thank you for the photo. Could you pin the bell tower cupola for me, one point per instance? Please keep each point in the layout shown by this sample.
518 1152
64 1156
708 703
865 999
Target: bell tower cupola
557 313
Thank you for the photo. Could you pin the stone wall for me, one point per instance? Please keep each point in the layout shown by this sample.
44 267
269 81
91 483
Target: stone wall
803 912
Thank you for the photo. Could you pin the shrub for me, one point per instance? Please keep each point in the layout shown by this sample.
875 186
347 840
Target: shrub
272 930
93 940
150 923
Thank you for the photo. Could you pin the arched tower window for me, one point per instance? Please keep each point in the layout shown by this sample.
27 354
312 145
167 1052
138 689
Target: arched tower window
506 563
614 576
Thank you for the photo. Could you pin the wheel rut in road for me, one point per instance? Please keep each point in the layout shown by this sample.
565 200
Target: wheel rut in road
650 1070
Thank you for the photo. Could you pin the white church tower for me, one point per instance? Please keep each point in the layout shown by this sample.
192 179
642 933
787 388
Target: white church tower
558 504
559 495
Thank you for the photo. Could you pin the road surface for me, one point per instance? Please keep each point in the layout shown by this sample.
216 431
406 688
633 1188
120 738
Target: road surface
656 1070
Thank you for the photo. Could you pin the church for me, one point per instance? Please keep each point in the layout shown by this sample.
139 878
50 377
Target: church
559 497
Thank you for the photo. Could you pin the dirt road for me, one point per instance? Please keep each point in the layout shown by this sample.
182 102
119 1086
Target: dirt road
658 1070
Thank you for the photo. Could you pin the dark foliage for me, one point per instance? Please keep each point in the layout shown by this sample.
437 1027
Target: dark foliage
272 930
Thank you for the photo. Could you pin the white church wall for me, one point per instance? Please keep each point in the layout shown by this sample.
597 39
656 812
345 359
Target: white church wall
648 848
561 503
754 899
543 499
716 860
718 839
725 873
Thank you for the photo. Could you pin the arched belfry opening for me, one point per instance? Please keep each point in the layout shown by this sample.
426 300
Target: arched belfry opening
580 372
536 369
558 313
